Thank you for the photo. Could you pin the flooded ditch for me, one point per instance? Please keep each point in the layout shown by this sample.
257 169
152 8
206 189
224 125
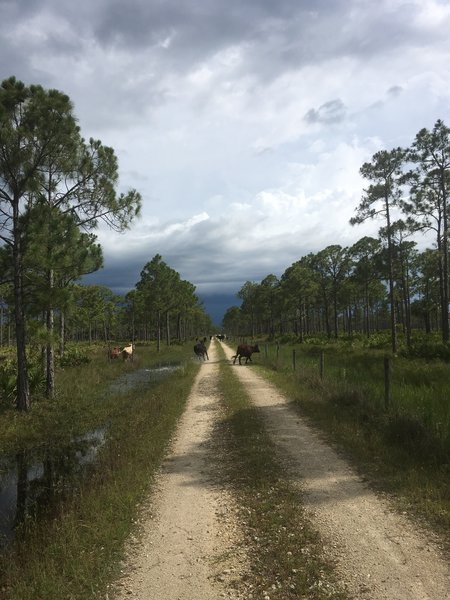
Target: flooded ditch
33 482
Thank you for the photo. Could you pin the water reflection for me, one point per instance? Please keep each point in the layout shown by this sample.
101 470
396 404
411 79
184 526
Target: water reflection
31 483
144 377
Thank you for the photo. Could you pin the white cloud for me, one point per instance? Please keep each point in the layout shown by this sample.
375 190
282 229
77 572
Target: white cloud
205 105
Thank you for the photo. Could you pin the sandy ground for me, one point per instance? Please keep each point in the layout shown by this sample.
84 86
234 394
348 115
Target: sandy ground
186 549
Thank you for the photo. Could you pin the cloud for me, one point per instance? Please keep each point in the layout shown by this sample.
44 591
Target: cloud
394 91
247 240
333 111
242 124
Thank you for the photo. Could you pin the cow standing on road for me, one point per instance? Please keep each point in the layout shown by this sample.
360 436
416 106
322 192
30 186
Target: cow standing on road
200 350
245 351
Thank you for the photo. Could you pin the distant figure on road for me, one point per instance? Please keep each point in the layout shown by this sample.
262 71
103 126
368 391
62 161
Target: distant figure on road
200 350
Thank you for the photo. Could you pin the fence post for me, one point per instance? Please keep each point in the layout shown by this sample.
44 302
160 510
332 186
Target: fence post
322 364
387 382
293 359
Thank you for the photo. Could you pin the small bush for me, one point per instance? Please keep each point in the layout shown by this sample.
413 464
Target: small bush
36 379
428 350
406 431
74 357
349 398
8 379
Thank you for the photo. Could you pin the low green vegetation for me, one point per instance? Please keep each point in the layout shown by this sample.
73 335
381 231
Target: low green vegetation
73 547
284 551
400 440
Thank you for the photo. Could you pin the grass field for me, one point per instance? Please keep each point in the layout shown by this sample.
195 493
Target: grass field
402 445
74 548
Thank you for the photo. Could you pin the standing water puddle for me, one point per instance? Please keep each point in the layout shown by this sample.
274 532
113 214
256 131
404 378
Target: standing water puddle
33 481
144 377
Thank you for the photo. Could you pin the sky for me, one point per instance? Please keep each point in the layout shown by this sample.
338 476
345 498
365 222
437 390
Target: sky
243 124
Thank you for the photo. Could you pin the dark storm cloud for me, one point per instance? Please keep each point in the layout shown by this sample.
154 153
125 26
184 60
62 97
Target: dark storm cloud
213 254
186 90
333 111
171 38
277 36
395 91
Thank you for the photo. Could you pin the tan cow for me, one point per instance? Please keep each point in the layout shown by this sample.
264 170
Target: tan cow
128 351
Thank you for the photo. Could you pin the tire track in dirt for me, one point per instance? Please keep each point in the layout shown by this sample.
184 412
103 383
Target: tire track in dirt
378 553
187 536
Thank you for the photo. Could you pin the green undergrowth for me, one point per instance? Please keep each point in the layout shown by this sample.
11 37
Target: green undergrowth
392 448
74 549
286 560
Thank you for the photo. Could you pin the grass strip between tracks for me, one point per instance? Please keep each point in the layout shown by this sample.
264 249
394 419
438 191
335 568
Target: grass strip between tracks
285 554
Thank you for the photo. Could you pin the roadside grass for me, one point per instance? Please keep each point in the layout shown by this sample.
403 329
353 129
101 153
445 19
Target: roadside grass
74 550
403 449
285 554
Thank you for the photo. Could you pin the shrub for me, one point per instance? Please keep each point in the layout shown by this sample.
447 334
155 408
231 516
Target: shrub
406 431
427 349
73 357
8 379
36 378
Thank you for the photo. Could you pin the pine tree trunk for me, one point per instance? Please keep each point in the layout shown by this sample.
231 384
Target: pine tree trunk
23 390
62 334
50 351
391 280
50 356
168 328
158 332
445 323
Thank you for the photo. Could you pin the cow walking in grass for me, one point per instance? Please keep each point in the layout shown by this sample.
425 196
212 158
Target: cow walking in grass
128 352
114 352
245 351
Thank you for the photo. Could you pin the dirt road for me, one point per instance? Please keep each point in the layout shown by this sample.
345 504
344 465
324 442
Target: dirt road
188 532
186 550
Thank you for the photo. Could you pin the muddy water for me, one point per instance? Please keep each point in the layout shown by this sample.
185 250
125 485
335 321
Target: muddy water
144 377
33 482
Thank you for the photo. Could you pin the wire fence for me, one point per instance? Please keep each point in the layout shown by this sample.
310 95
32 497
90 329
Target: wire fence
416 390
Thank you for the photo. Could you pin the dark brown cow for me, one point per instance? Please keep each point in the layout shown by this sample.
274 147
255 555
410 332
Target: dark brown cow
244 350
200 351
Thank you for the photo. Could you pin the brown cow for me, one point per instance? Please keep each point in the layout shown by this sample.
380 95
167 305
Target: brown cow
201 351
244 350
114 352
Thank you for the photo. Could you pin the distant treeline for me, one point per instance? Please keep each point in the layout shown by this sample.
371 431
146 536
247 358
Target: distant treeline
377 283
55 188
